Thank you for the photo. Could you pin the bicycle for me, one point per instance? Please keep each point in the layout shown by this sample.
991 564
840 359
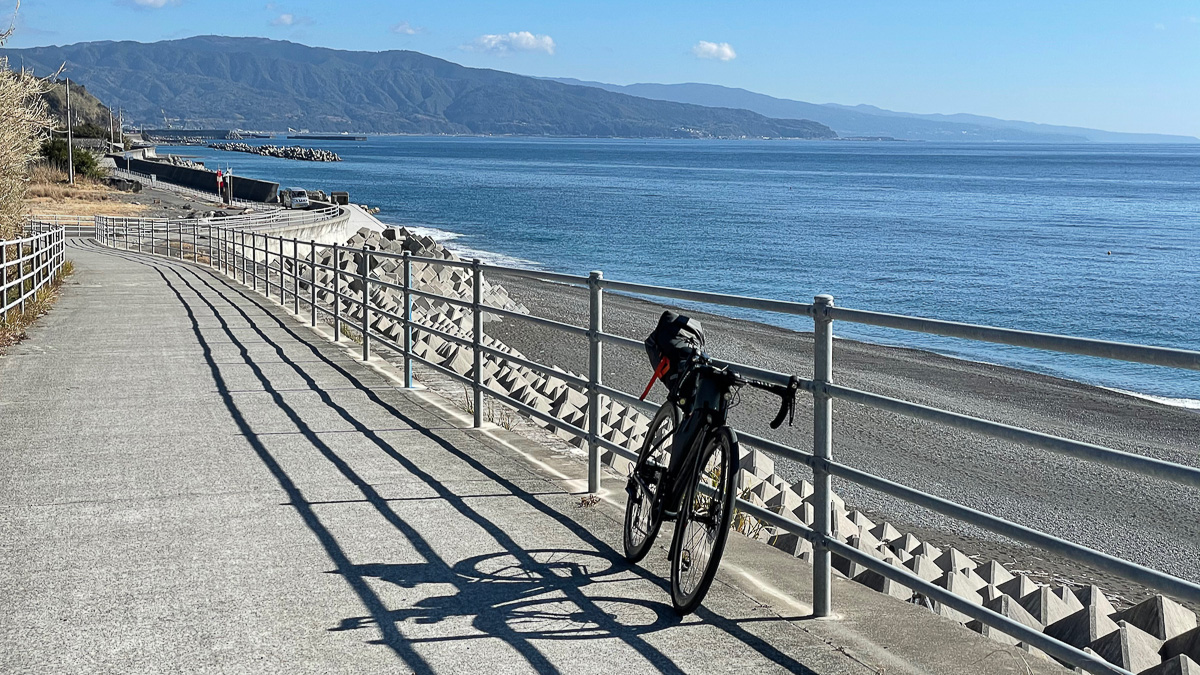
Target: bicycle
686 470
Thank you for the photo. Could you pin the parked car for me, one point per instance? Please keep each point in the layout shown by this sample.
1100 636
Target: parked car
293 198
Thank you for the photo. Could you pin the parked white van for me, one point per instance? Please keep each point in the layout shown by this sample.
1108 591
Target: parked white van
293 198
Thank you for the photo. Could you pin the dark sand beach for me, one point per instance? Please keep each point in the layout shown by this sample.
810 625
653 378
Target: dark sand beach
1149 521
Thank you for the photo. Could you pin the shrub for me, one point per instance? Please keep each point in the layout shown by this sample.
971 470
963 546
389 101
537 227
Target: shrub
86 163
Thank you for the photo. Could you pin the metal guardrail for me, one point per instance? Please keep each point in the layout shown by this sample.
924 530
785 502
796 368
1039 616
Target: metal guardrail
256 258
29 264
258 220
74 226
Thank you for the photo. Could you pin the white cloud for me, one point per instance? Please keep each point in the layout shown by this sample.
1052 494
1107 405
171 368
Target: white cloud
1160 26
406 28
509 43
722 51
156 4
288 19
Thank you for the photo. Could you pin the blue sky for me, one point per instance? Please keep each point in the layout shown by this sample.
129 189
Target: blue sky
1118 65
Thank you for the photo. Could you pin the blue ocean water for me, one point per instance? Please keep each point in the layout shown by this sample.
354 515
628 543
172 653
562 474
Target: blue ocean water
1098 241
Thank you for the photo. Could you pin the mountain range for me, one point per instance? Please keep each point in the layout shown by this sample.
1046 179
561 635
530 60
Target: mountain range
270 85
870 121
256 83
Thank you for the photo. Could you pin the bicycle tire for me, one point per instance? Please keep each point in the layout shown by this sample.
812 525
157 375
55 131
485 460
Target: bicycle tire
700 534
640 508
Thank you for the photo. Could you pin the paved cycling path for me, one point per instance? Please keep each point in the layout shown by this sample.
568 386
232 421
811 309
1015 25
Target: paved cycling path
192 480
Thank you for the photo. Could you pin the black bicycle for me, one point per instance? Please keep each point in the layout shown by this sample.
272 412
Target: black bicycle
686 470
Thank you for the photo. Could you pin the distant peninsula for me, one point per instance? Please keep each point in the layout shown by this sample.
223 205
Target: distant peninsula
256 83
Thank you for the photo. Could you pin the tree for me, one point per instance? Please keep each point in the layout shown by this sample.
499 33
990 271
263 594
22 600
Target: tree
23 124
86 164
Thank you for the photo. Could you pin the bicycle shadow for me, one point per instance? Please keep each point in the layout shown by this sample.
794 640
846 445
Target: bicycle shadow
503 596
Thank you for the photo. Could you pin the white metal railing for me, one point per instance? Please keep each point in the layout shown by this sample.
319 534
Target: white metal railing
28 265
284 267
259 220
74 226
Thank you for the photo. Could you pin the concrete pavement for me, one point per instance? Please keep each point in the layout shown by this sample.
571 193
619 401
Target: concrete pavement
192 480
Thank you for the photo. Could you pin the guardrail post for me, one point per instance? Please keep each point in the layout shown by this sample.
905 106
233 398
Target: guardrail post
21 255
267 265
254 261
477 339
239 259
822 453
595 377
407 324
364 270
337 294
312 282
3 282
296 277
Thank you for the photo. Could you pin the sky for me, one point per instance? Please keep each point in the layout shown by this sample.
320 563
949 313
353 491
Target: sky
1121 65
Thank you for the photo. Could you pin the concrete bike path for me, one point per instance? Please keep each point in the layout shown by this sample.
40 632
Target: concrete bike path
191 480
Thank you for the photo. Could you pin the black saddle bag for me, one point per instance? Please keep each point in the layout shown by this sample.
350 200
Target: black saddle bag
677 339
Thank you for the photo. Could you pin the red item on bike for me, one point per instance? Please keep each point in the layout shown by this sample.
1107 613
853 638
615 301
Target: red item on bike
661 370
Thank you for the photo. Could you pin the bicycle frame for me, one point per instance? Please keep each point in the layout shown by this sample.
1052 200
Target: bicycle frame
709 407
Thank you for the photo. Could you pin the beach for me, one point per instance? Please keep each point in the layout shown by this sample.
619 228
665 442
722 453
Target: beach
1145 520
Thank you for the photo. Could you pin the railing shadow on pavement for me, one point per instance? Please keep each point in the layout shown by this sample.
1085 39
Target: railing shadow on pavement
497 609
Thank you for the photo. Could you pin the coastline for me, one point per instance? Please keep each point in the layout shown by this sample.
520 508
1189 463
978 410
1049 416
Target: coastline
1141 519
453 240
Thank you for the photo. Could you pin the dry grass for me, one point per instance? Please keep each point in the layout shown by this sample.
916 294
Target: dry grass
49 192
12 329
80 207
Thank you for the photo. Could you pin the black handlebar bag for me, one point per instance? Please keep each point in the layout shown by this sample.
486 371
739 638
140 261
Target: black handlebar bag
677 339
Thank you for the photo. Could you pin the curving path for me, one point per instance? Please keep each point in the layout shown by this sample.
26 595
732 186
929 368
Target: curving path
191 480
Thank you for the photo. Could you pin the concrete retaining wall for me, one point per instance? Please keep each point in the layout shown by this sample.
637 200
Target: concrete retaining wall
250 189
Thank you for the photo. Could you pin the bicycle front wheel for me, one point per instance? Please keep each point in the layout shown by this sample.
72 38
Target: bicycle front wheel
703 524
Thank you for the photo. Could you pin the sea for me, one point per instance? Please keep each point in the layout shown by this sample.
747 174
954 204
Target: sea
1099 241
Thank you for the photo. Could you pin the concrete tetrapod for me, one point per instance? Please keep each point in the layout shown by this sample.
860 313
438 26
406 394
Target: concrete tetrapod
1159 616
993 572
1177 665
1187 644
1129 647
1045 606
1082 628
1009 608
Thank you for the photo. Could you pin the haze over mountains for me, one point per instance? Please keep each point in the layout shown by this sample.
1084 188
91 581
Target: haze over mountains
869 121
255 83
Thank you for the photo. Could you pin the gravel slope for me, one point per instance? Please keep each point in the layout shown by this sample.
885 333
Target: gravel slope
1149 521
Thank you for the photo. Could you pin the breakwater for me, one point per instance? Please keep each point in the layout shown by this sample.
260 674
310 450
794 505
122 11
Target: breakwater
282 152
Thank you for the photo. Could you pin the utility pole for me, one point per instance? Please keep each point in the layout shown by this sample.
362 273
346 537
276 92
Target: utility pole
112 139
70 139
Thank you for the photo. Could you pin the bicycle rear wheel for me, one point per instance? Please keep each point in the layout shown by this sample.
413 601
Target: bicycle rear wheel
703 524
642 517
